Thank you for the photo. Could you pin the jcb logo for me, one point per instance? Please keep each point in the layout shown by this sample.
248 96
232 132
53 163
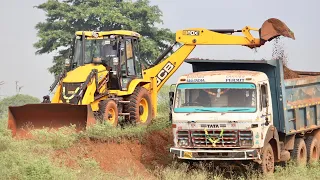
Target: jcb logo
191 33
164 72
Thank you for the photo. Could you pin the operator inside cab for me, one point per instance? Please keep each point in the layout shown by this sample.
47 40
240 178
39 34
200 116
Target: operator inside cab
104 52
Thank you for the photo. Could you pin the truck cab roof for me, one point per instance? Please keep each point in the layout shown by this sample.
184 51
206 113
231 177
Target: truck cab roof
223 76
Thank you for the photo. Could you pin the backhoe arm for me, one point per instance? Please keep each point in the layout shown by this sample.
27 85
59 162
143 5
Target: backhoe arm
190 38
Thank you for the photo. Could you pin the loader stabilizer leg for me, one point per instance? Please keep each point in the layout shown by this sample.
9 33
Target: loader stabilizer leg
273 28
22 119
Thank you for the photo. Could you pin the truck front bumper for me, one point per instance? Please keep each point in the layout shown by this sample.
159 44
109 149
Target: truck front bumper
204 154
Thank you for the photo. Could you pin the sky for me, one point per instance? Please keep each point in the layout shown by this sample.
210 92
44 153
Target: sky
18 19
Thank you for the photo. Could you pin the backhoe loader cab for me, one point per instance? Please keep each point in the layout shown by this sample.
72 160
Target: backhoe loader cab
118 51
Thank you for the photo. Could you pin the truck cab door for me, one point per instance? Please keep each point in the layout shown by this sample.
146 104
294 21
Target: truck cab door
264 102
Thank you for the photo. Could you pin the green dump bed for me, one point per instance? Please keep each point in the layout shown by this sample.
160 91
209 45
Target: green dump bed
296 102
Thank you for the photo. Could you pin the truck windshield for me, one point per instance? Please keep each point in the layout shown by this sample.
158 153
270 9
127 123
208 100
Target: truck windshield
216 97
96 51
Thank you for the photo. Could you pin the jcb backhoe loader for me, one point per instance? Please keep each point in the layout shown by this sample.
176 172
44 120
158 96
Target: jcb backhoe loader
104 76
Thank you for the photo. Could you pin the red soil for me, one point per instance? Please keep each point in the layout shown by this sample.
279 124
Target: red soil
123 158
289 74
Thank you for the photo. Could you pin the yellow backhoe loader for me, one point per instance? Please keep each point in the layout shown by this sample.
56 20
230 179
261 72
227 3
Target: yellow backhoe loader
105 78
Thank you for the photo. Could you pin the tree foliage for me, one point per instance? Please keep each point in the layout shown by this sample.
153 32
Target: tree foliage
67 16
16 100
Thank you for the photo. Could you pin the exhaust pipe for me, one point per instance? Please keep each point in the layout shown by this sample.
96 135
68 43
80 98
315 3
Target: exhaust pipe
28 117
273 28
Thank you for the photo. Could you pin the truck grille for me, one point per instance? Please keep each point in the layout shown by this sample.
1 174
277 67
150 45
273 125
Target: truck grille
230 138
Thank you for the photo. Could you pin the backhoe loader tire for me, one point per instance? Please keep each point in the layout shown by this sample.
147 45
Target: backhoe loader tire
109 111
140 107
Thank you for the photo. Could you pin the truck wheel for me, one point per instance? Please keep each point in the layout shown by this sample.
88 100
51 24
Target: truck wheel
140 107
317 136
109 111
312 149
299 153
267 165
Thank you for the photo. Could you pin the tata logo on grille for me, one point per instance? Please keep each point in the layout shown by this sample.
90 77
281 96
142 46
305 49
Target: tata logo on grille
209 125
212 126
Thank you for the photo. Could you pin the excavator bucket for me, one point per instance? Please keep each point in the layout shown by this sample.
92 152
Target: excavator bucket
273 28
22 119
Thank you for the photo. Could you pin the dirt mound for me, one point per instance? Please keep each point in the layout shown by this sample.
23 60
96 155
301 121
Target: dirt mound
278 52
125 158
156 148
289 74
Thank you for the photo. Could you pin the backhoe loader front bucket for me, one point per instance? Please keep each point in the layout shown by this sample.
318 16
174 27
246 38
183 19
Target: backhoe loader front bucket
273 28
24 118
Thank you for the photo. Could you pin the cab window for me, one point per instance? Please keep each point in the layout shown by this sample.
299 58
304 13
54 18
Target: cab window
130 58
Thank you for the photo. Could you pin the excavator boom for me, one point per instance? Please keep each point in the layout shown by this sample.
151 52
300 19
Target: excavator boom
190 38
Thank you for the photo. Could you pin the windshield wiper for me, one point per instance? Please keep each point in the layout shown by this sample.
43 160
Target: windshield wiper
243 109
205 110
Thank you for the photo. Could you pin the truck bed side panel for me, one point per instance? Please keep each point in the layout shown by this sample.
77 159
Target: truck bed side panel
303 99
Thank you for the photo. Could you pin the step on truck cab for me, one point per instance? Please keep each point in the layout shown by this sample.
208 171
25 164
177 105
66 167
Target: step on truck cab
246 110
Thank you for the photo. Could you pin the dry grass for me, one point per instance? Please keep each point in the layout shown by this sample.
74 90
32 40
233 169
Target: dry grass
31 159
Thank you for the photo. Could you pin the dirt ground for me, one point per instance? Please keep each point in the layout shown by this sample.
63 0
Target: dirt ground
122 159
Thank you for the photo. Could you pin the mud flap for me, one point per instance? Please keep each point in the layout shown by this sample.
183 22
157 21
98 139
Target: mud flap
273 28
22 119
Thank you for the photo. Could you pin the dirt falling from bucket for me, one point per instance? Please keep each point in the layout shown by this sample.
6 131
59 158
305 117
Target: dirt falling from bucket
279 53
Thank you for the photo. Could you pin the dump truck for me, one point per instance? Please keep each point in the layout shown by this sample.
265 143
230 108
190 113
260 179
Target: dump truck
245 110
105 77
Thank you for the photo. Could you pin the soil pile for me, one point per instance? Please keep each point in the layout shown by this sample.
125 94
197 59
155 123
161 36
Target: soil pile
125 158
289 74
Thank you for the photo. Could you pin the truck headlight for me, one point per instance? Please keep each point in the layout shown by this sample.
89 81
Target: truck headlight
183 142
246 142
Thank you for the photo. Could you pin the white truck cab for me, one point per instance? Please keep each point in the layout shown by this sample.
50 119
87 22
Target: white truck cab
220 115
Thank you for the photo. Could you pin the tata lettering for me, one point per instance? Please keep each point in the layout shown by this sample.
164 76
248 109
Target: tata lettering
212 126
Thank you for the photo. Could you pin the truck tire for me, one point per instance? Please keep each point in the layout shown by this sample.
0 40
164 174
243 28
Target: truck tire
140 107
109 111
299 153
312 149
317 136
267 165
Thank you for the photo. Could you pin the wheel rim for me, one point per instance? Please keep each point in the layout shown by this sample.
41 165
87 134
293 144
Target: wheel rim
302 156
269 161
111 116
301 153
314 153
145 110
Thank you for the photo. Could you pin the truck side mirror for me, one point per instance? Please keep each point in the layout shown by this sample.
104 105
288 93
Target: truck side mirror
171 96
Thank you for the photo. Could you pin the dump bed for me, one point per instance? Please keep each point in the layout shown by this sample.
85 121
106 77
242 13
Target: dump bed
296 102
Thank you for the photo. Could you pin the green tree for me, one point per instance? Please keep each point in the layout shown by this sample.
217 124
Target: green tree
16 100
68 16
